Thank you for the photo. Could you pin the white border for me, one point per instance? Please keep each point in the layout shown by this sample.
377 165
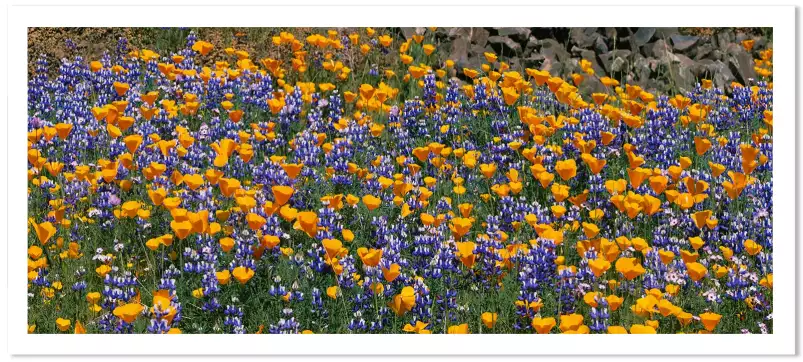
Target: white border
781 18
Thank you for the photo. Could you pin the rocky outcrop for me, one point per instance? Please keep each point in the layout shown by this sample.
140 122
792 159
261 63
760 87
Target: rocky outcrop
658 59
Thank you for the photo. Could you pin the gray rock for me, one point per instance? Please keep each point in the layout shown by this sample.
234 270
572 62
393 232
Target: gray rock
682 76
475 50
684 60
618 65
761 43
741 64
591 85
532 44
459 49
588 55
701 68
553 66
550 48
657 50
629 78
607 59
409 32
653 85
533 61
515 64
641 68
665 33
518 34
583 37
659 59
479 36
722 75
683 42
717 71
575 51
473 62
459 32
600 46
724 37
703 50
442 33
443 50
643 36
668 58
504 46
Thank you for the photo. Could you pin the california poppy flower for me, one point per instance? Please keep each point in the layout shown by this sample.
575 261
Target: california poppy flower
371 202
308 221
642 329
420 328
570 322
465 251
370 257
128 312
599 266
543 325
751 247
404 301
567 169
63 324
460 226
696 271
44 231
242 274
390 274
629 267
458 329
710 320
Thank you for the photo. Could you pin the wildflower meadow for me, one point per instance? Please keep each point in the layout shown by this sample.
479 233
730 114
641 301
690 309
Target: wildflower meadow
361 181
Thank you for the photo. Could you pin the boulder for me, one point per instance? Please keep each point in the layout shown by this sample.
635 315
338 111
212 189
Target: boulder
479 36
619 64
409 32
702 51
665 33
682 76
531 45
600 46
583 37
724 37
505 46
658 49
641 68
717 71
741 64
760 44
550 48
459 50
534 61
519 35
459 32
553 66
642 36
683 42
607 59
591 85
